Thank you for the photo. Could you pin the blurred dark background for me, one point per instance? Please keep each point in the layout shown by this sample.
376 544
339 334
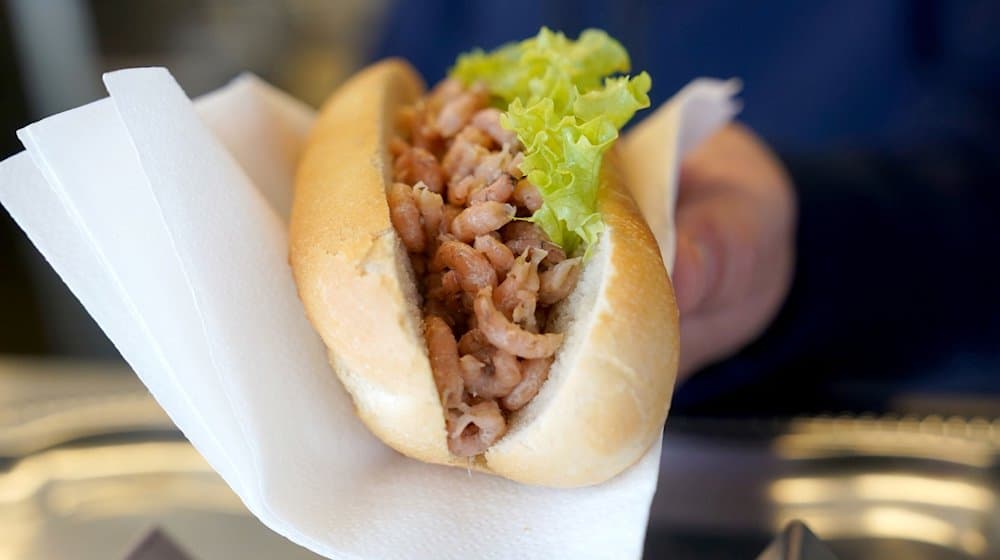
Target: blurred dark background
52 54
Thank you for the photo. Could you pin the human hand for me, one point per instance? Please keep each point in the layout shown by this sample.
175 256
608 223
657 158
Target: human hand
735 245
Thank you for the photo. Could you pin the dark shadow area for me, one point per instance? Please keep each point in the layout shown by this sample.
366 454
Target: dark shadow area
20 318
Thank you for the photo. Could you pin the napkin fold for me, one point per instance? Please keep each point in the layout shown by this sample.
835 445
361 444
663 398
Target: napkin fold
168 220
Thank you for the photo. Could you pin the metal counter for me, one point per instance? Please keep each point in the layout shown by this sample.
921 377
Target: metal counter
89 464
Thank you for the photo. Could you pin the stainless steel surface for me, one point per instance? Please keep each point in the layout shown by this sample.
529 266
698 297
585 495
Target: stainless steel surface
797 542
869 487
89 463
46 402
157 545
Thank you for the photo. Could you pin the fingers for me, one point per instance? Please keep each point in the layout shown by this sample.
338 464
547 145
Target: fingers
694 273
717 251
735 237
718 275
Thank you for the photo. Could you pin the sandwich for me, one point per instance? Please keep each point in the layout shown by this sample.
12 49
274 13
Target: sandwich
487 289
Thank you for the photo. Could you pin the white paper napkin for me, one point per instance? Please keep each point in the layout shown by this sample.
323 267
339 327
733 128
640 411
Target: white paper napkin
168 219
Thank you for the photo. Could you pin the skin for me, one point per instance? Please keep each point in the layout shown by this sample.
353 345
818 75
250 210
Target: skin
736 218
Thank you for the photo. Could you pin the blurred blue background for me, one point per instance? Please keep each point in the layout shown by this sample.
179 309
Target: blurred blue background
817 75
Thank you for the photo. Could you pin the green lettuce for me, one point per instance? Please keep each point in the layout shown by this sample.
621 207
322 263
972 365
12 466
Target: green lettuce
566 103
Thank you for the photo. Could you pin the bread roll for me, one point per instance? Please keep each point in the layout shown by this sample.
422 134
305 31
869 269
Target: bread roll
608 391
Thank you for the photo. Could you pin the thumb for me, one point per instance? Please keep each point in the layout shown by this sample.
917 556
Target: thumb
717 251
695 272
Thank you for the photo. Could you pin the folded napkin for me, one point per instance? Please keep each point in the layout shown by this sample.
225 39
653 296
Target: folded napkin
168 220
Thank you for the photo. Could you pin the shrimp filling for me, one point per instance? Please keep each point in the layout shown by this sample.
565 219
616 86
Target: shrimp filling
486 278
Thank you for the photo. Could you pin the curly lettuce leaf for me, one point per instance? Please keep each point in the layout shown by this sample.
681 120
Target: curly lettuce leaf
567 112
511 70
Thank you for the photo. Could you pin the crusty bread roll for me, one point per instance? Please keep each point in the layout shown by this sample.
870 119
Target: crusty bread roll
608 392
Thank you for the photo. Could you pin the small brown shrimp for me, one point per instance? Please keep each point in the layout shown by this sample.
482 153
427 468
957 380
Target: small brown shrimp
450 283
443 352
459 193
534 373
448 215
398 146
472 369
506 375
527 196
524 312
431 207
473 270
498 191
475 429
405 217
509 337
522 277
473 342
418 164
554 253
456 112
491 166
514 166
426 137
474 135
444 91
462 159
521 235
467 300
406 119
523 230
442 285
499 255
558 281
481 219
488 120
496 380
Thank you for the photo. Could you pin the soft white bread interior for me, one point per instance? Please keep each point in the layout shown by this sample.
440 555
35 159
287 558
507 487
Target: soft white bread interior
609 389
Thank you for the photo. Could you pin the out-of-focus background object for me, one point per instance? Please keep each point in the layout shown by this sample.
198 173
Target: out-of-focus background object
89 463
797 542
52 54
